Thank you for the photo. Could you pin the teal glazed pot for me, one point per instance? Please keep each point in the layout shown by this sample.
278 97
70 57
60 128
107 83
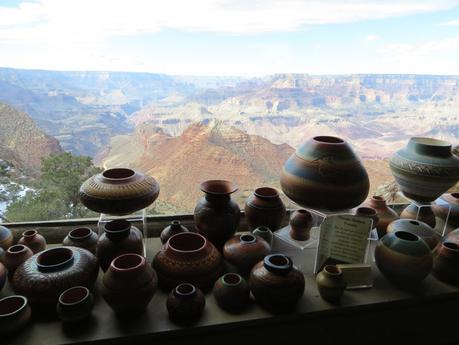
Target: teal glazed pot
441 209
232 292
265 233
325 173
446 263
264 208
424 214
75 304
6 237
425 168
403 258
418 228
185 303
15 312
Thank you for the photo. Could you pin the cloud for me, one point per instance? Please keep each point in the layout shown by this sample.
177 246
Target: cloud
451 23
412 51
370 38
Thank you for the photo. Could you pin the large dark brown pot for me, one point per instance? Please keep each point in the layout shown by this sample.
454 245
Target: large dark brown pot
325 173
441 209
276 284
44 276
82 238
15 256
119 237
418 228
174 228
33 240
185 303
118 191
386 215
425 168
404 258
446 263
188 257
245 250
216 215
423 214
129 284
15 312
232 292
264 208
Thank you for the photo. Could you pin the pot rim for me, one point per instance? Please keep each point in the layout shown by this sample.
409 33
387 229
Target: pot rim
273 193
329 140
21 248
451 246
17 310
52 267
125 173
73 237
228 187
231 274
430 141
248 238
189 293
333 270
139 257
79 287
186 234
29 233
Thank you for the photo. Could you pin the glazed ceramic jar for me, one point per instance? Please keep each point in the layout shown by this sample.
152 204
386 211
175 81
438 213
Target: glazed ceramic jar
265 233
446 263
45 275
418 228
368 212
119 237
425 168
14 314
423 214
75 304
325 173
15 256
442 206
386 215
232 292
6 237
33 240
216 215
82 238
185 303
129 284
264 208
331 284
300 225
174 228
403 258
119 191
3 275
276 285
244 250
188 257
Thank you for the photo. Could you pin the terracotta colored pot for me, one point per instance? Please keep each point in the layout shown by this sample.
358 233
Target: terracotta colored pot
129 284
425 214
3 275
245 250
368 212
185 303
6 237
325 173
232 292
188 257
446 263
264 208
33 240
403 258
441 210
300 225
75 304
14 314
119 191
265 233
45 275
119 237
83 238
425 168
216 215
15 256
174 228
331 284
386 215
418 228
276 284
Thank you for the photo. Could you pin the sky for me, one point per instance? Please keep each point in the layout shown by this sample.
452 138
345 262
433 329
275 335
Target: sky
232 37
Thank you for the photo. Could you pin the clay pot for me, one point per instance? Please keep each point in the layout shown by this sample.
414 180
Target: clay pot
216 215
446 263
441 209
300 225
232 292
276 284
129 284
425 214
174 228
425 168
331 284
3 275
14 314
265 233
325 173
418 228
6 237
33 240
185 303
118 191
82 238
15 256
119 237
403 258
264 208
75 304
386 215
188 257
368 212
45 275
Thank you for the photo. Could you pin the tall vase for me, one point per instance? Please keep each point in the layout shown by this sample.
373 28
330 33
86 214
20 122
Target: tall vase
264 208
386 215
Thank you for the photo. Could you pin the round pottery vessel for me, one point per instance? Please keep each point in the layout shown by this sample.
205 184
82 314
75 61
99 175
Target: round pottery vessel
15 256
6 237
441 210
185 303
264 208
265 233
3 275
368 212
232 292
188 257
118 191
216 215
300 225
331 284
425 168
14 314
446 263
403 258
119 237
418 228
45 275
325 173
276 285
83 238
174 228
129 284
75 304
33 240
386 215
425 215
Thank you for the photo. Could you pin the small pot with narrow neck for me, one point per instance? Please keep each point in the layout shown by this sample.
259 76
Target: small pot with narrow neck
368 212
446 263
185 303
386 215
423 213
15 256
331 284
33 240
174 228
75 304
83 238
300 225
232 292
264 208
265 233
15 313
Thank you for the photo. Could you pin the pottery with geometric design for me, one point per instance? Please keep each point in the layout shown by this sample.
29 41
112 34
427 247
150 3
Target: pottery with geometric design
264 208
